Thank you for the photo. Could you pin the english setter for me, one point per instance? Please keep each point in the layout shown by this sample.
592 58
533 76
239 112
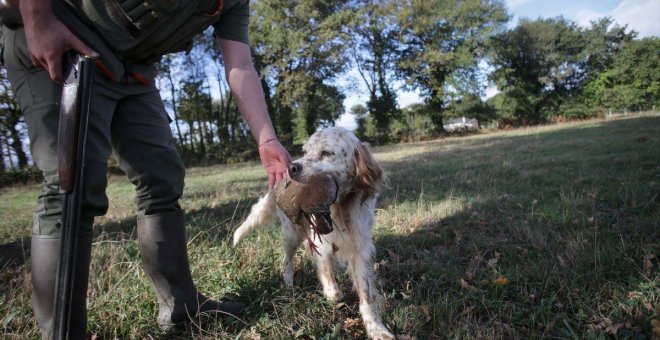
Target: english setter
359 178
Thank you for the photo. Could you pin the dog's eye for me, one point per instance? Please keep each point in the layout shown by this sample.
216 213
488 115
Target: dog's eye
326 153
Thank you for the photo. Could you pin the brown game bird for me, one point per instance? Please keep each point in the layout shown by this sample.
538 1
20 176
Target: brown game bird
309 202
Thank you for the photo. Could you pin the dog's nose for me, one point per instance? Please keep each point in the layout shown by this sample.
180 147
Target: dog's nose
294 170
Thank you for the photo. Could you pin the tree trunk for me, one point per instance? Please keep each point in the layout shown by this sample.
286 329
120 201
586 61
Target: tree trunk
182 141
17 146
191 134
16 140
3 167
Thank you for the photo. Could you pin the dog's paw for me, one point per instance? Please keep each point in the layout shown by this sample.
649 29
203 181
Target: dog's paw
333 294
379 332
238 236
288 278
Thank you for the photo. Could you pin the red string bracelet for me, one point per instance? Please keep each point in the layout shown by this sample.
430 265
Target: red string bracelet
267 140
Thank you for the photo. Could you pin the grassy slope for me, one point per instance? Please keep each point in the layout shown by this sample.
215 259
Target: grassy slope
537 232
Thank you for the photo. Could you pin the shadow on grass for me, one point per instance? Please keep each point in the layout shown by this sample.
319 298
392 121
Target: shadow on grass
15 253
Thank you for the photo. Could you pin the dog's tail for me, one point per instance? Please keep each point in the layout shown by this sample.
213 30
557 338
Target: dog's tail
262 214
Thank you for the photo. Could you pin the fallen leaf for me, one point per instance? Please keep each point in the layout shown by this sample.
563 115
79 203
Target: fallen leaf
648 306
613 329
562 263
655 323
467 310
648 264
427 313
353 327
500 281
352 322
381 266
464 284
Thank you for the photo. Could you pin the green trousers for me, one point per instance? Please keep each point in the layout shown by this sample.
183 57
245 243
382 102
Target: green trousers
127 118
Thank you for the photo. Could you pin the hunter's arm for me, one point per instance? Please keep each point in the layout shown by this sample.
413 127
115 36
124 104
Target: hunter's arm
246 87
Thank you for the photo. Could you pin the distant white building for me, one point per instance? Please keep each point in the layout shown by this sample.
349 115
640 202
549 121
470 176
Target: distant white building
461 124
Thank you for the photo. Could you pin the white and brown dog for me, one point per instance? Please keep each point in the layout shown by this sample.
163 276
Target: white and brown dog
359 179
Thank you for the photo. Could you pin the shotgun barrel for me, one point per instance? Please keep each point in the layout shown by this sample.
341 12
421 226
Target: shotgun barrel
72 136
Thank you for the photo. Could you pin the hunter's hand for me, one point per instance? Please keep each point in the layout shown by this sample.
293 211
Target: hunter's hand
48 39
275 159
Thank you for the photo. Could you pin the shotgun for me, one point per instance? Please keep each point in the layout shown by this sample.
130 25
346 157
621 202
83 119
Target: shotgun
72 136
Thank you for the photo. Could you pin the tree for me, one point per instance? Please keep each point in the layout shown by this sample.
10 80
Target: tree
537 66
633 83
11 125
443 37
193 108
601 43
299 45
413 124
375 51
322 106
472 106
166 69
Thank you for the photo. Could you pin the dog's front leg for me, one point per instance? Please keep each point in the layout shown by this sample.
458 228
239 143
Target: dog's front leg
326 270
291 239
360 271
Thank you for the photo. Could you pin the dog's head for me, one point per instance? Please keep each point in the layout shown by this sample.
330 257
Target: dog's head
337 151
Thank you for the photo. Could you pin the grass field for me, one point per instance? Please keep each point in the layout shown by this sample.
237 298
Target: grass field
548 232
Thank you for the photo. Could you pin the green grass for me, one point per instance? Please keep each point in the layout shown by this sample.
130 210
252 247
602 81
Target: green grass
531 233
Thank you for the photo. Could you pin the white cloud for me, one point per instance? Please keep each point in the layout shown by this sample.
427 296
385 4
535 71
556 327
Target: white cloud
642 16
584 17
516 3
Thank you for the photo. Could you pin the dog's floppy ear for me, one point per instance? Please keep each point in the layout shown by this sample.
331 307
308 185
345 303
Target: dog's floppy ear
370 177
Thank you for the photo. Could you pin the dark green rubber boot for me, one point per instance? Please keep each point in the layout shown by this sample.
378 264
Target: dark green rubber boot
45 252
162 241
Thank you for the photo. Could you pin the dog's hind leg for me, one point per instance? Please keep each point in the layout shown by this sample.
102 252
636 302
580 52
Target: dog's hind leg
291 239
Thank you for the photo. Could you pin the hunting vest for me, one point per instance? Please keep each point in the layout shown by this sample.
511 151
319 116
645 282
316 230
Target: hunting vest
139 32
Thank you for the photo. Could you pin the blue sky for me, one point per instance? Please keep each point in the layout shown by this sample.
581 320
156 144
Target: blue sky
642 16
